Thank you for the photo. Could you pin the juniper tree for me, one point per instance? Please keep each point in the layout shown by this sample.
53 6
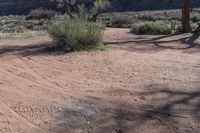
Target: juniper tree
90 9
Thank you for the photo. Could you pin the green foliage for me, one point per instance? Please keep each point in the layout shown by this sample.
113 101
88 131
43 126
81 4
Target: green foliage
76 34
117 20
76 8
193 27
40 14
179 29
19 24
151 28
11 24
121 22
195 17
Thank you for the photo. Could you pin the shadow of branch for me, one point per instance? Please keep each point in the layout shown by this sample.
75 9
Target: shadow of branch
30 50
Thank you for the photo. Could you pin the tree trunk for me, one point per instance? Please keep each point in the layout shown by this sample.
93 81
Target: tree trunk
186 15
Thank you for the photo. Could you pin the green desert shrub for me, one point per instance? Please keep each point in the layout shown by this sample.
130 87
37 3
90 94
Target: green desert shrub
151 28
195 19
121 22
40 14
76 34
193 27
179 29
36 25
146 17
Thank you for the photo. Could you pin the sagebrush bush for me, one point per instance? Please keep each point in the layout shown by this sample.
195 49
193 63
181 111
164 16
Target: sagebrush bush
121 22
146 17
195 18
193 27
18 24
40 14
76 34
151 28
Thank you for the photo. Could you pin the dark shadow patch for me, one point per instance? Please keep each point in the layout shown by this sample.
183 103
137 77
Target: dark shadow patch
156 44
31 50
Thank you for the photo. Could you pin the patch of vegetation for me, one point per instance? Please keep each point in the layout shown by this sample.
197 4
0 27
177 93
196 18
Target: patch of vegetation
10 24
195 18
121 22
129 18
29 34
40 14
179 29
116 20
42 18
88 10
76 34
19 24
151 28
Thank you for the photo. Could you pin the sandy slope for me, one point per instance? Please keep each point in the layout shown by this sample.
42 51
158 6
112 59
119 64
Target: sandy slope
146 84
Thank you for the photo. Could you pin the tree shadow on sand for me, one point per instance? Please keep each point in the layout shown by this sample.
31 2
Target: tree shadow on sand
170 111
156 44
31 50
188 41
138 44
176 110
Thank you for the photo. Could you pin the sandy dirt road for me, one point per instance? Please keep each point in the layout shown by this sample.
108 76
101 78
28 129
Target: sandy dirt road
142 84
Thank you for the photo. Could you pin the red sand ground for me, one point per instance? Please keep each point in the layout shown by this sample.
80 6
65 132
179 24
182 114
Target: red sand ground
142 84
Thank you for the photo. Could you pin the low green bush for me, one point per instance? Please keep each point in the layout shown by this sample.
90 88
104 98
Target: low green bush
195 18
40 14
121 22
76 34
193 27
151 28
146 17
